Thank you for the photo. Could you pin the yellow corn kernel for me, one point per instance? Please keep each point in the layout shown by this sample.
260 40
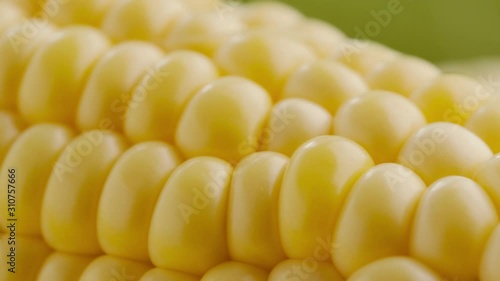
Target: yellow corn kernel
52 84
379 121
443 149
376 218
158 274
11 126
316 182
364 57
16 51
235 271
148 20
30 254
160 97
489 269
67 12
292 122
267 58
129 196
403 75
308 269
451 226
320 36
63 267
396 268
485 123
106 268
327 83
69 208
203 32
10 14
271 14
224 119
253 231
189 220
451 98
46 141
109 88
488 176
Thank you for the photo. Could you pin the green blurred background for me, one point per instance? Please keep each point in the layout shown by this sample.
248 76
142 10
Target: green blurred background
438 30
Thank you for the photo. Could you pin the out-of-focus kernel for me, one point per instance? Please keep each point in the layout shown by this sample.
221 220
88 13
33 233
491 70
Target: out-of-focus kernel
326 83
203 32
11 125
149 20
451 98
52 85
10 14
485 123
70 12
107 93
267 58
443 149
488 176
46 141
364 56
16 51
403 75
161 96
323 38
270 14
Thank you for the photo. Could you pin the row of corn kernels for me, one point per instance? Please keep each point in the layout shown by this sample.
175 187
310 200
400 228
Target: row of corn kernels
47 266
180 98
91 193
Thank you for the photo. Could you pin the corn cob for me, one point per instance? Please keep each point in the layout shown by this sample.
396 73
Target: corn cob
325 213
202 210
